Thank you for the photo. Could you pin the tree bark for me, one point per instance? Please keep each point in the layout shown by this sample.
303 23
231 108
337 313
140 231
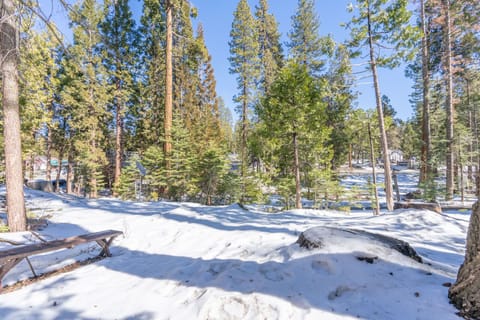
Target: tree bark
296 165
118 141
465 293
70 173
243 151
376 209
15 201
425 169
168 82
449 104
48 172
381 122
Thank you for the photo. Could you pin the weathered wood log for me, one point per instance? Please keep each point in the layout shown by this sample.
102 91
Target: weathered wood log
418 205
465 293
310 241
11 257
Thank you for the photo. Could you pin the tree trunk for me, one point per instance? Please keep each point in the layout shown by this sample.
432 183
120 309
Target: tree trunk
70 173
465 293
381 122
296 164
168 83
48 172
449 104
59 171
118 142
15 201
376 207
243 147
425 169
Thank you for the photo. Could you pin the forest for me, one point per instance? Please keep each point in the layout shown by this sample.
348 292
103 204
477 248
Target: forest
132 105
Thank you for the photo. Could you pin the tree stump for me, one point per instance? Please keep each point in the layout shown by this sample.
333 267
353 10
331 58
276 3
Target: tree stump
465 293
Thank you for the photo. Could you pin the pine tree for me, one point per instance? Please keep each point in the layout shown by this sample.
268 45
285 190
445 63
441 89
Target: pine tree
209 122
119 38
180 176
149 112
212 167
339 104
270 50
88 93
128 178
153 159
383 24
244 63
306 46
293 110
37 89
15 202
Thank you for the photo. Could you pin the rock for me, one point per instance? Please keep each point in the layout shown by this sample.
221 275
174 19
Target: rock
417 194
418 205
465 293
370 260
310 240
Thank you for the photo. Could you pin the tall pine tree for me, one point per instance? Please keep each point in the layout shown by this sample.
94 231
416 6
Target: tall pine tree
119 39
244 63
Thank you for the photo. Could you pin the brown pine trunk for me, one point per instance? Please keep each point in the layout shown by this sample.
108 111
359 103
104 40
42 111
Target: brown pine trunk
70 173
16 216
381 122
449 104
118 143
243 151
296 165
92 184
48 172
168 83
59 172
376 209
425 169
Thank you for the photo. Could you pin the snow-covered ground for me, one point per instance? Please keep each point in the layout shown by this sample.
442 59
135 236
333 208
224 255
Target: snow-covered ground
188 261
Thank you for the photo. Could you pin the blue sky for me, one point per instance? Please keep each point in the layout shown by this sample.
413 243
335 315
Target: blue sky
217 15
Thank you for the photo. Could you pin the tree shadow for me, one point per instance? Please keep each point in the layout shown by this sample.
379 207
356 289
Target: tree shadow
317 281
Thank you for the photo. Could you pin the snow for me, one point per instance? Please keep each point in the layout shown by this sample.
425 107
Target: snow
188 261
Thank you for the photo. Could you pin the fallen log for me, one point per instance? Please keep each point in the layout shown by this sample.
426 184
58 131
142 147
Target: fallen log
432 206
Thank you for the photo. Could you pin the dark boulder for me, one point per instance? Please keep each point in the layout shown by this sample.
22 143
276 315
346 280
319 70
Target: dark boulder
309 239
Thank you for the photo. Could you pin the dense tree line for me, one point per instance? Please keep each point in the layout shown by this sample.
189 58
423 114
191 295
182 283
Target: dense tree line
133 107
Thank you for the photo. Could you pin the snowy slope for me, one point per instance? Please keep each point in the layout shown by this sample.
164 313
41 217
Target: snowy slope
187 261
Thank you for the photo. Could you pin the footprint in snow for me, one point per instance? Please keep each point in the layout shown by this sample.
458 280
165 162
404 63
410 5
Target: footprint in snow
225 308
321 266
273 274
216 268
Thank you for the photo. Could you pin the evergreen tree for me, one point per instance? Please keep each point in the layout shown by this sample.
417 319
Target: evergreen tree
339 104
180 178
37 88
128 178
212 167
15 202
149 111
306 46
383 24
153 159
270 50
244 63
293 110
119 39
88 94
